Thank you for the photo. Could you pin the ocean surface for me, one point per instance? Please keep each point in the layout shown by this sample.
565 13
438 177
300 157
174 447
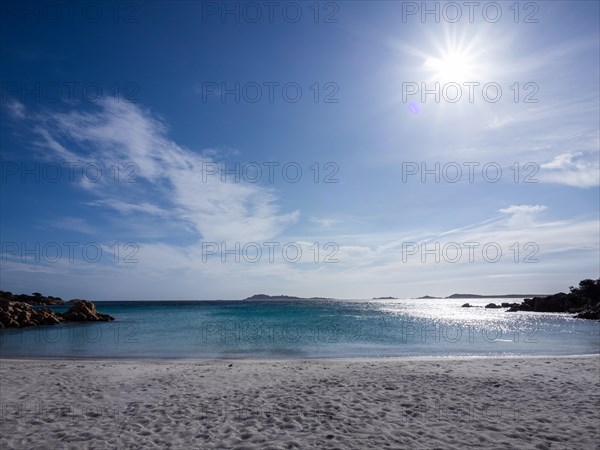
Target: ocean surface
306 329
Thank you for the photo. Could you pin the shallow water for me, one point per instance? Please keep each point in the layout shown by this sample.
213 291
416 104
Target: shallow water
307 329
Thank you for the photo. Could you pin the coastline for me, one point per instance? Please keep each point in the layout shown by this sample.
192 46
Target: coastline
184 359
413 402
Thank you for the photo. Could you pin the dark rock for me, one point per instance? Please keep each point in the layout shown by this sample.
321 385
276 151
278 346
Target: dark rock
15 314
492 305
583 301
509 305
35 299
466 305
560 302
84 311
593 312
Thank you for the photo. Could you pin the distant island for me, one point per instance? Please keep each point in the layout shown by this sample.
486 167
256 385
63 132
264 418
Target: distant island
425 297
282 297
489 296
384 298
271 297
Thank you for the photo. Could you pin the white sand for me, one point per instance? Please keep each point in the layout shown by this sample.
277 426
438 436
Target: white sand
478 403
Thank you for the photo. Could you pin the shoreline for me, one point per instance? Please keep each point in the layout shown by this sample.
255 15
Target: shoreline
516 402
291 359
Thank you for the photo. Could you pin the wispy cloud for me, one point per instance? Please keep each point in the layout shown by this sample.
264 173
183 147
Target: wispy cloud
365 264
15 108
74 224
325 222
169 178
573 169
523 215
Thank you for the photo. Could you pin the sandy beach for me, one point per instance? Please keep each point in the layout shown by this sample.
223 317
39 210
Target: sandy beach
539 403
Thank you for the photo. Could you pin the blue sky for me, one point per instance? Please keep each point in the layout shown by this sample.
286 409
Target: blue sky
168 93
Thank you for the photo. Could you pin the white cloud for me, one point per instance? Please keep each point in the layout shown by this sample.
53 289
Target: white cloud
15 108
130 208
325 222
171 193
523 215
169 177
74 224
572 169
369 264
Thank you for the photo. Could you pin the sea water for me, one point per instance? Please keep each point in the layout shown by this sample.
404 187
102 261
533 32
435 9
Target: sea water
306 329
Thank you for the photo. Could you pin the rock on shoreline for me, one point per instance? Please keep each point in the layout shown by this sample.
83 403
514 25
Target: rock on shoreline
35 299
18 314
583 301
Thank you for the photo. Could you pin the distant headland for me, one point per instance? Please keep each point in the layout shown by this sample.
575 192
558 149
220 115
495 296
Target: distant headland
282 297
491 296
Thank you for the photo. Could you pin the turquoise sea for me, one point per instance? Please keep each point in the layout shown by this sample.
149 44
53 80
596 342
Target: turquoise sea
306 329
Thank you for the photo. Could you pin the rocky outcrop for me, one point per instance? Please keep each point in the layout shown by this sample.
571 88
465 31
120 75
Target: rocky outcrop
560 302
84 311
18 314
583 301
593 312
501 305
35 299
509 305
492 305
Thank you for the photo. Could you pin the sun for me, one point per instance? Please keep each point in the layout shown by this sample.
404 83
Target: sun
458 58
452 66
